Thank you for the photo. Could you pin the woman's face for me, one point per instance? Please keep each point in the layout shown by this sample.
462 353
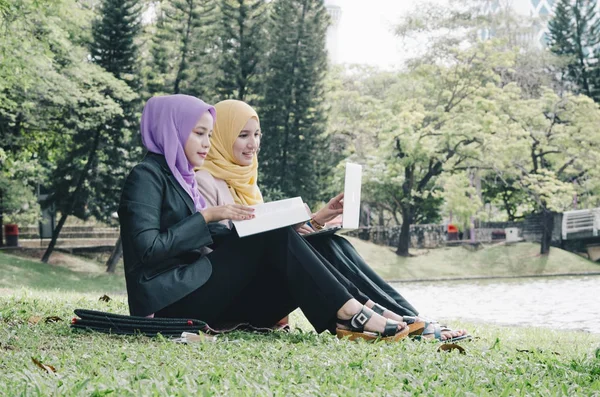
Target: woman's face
247 143
198 143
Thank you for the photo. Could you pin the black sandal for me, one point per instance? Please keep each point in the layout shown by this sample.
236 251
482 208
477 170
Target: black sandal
435 329
356 328
415 327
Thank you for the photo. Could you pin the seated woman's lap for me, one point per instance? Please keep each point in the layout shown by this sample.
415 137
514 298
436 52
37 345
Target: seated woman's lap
243 287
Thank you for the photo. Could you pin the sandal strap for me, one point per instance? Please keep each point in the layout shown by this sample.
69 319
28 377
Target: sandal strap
433 329
391 328
377 308
409 319
358 321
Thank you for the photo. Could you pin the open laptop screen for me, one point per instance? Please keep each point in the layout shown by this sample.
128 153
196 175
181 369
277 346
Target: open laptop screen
352 185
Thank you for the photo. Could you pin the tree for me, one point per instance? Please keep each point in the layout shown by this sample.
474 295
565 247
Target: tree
242 48
574 33
294 149
115 48
114 35
88 122
18 203
439 114
548 148
183 54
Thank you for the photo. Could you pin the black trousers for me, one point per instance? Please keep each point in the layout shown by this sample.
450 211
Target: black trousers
261 278
343 256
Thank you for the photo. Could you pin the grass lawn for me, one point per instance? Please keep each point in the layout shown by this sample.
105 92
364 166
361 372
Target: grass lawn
521 259
16 272
500 361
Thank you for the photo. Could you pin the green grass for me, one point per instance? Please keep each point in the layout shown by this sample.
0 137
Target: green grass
22 272
502 361
521 259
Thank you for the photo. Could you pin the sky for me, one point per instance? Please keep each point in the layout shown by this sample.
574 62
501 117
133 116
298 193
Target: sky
365 32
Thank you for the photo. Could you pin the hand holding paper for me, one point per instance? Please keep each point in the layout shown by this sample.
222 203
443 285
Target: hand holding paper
273 215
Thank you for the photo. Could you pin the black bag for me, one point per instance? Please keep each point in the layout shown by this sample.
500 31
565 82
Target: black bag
119 324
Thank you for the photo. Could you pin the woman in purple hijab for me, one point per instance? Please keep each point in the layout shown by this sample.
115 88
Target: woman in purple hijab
181 262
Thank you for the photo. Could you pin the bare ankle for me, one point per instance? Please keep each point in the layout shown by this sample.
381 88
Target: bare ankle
350 308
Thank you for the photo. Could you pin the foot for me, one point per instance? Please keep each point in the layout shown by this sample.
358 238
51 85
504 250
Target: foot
375 324
445 335
387 313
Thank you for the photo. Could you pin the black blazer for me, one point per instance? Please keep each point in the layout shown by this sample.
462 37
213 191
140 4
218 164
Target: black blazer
163 238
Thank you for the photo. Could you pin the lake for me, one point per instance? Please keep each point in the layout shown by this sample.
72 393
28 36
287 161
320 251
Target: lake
553 302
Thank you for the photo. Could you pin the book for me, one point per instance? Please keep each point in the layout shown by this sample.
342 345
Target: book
273 215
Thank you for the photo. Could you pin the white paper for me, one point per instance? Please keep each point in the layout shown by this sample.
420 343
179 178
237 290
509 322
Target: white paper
352 187
273 215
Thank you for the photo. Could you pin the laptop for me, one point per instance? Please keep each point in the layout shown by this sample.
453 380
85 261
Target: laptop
351 214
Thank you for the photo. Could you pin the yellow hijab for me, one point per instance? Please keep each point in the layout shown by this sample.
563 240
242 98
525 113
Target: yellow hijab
232 116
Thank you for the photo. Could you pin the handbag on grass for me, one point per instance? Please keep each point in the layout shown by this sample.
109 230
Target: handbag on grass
120 324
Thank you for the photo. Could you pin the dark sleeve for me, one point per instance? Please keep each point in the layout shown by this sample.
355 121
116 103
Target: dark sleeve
139 215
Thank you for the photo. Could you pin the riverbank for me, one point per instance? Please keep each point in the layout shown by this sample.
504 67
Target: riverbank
500 361
451 263
460 263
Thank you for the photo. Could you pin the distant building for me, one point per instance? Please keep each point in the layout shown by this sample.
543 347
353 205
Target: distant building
540 10
335 13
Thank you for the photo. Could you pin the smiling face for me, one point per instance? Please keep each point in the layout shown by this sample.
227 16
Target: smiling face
198 143
247 143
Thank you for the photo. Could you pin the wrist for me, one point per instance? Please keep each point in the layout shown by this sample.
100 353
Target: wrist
319 219
206 215
316 224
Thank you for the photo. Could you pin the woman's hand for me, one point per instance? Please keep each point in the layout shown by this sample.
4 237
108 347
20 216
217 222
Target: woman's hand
303 228
235 212
334 207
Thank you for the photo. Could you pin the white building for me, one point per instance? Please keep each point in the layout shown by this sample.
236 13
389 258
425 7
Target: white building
335 13
541 10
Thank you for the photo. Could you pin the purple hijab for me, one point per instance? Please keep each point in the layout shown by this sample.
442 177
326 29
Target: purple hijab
167 122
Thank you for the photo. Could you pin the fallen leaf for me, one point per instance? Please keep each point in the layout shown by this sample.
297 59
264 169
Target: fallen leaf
33 320
48 368
104 298
446 347
53 319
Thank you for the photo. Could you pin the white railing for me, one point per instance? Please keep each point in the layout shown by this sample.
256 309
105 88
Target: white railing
581 221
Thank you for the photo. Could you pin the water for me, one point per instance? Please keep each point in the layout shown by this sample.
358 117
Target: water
556 302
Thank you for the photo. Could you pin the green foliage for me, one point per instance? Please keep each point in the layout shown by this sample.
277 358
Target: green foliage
183 53
53 102
115 48
242 47
461 201
547 147
574 34
114 35
18 177
294 153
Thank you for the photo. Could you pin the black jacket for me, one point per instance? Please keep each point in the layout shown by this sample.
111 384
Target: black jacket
163 238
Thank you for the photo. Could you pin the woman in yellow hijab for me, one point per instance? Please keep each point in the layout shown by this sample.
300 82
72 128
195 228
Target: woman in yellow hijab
230 174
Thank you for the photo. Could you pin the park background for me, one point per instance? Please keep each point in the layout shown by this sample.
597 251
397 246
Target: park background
478 113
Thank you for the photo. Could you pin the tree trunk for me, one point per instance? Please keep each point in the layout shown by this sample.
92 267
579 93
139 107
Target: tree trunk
55 233
71 205
547 227
404 240
111 264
